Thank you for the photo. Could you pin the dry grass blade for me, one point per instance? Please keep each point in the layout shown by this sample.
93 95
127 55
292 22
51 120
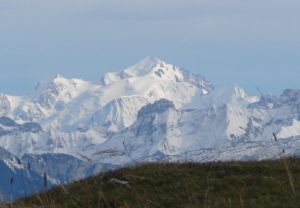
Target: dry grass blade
290 176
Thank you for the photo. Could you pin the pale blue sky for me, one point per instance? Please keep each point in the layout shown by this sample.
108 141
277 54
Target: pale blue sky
251 43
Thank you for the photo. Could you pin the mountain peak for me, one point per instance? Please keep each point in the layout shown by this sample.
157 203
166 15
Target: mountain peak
43 85
58 76
159 68
144 66
141 68
151 59
60 79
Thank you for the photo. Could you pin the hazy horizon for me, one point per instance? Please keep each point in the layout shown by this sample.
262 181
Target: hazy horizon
252 44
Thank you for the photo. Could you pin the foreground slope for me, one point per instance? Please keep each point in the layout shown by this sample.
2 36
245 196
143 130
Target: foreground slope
232 184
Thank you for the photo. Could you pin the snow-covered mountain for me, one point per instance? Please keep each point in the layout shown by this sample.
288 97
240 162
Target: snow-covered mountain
17 178
151 111
74 114
226 124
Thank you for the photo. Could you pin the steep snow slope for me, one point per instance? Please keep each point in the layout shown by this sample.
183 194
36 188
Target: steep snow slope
71 103
17 180
164 79
119 113
30 138
75 115
224 120
221 119
151 111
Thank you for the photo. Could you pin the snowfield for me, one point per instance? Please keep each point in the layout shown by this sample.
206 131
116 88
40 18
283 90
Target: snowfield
151 111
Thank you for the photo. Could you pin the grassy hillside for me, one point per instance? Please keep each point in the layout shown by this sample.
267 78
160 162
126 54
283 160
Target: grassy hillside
234 184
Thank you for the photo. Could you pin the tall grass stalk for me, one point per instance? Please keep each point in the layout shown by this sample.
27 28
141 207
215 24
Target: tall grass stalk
289 175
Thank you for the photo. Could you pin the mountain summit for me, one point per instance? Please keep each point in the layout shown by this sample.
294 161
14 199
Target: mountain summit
150 111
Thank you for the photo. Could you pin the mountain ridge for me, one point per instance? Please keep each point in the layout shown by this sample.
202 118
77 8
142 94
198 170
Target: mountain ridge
150 111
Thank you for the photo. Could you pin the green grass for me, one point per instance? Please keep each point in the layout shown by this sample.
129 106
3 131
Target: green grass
232 184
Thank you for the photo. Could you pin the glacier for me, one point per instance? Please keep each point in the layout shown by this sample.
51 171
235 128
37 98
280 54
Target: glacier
150 112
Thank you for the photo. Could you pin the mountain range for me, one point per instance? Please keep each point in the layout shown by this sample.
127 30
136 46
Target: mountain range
70 129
